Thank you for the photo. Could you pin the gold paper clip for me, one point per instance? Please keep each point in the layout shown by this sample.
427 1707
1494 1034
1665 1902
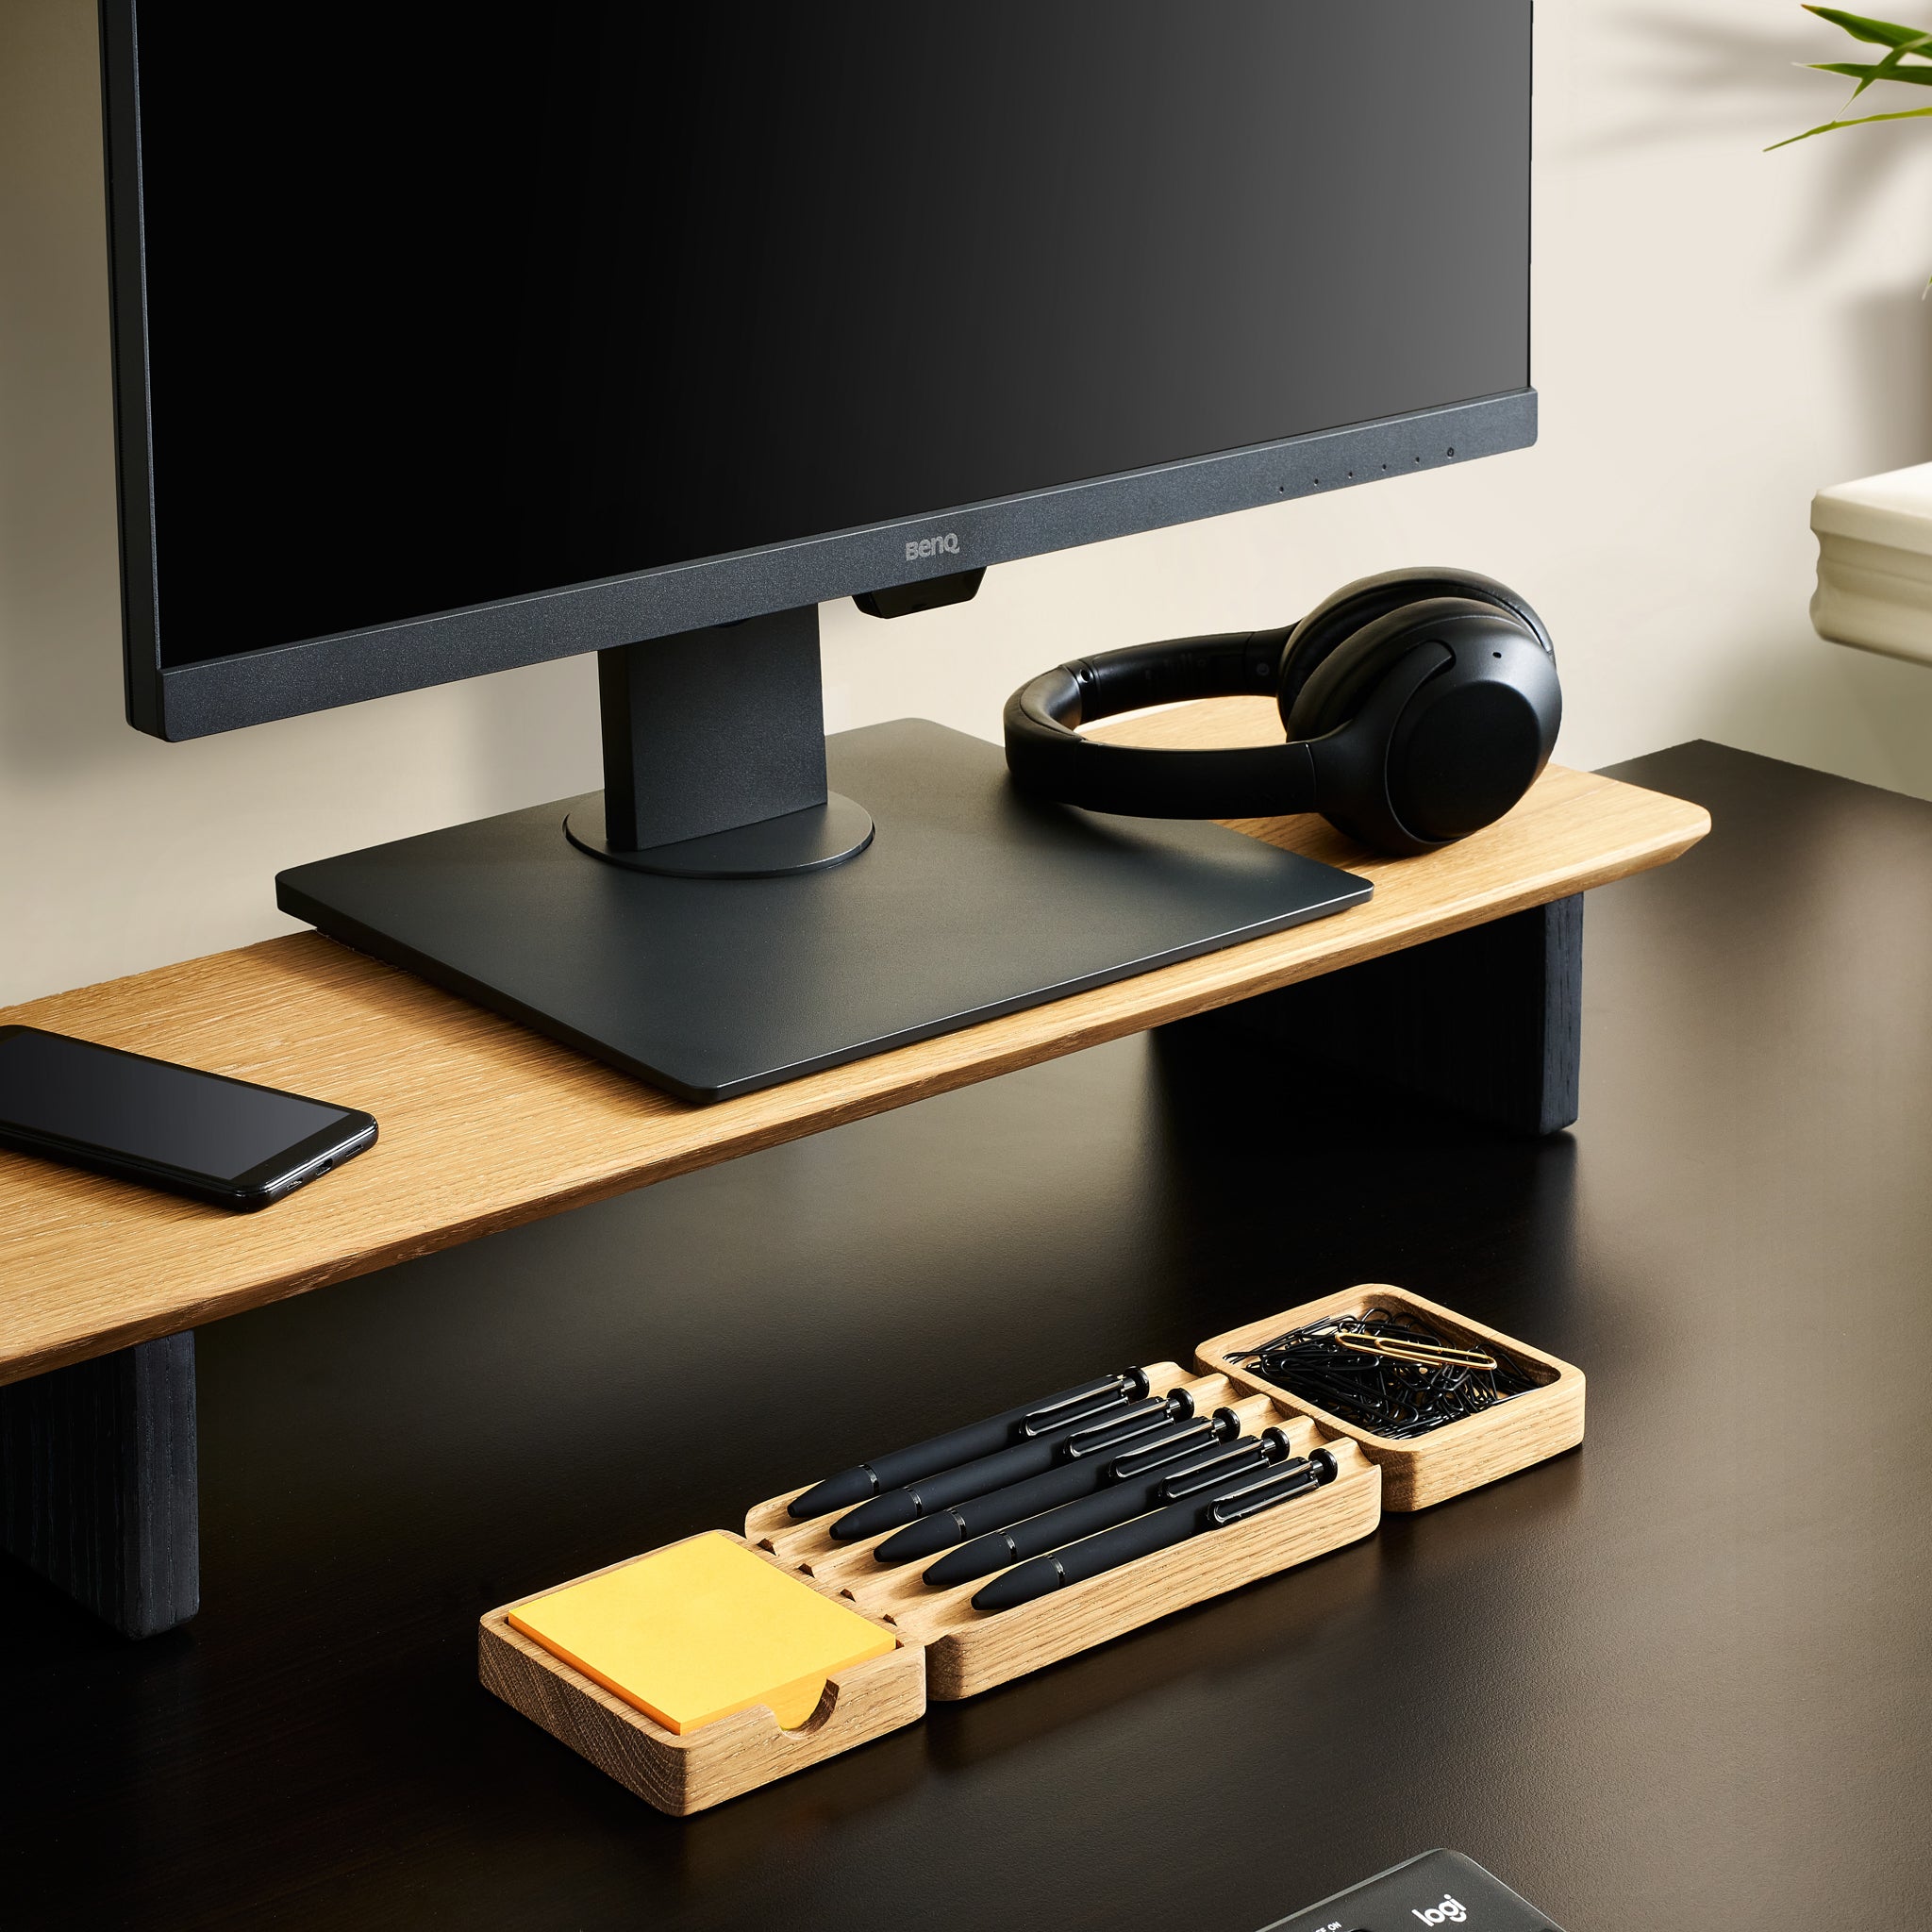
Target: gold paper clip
1440 1354
1428 1354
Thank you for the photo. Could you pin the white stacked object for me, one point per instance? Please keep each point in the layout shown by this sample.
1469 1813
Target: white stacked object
1875 563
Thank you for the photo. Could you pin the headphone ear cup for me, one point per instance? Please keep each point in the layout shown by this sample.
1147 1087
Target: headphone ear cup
1338 617
1429 724
1351 669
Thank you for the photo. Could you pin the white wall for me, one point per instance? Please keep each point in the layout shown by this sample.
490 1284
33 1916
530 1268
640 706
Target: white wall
1719 331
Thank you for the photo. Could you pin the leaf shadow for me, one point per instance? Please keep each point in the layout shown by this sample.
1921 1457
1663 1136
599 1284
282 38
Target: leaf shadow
1704 81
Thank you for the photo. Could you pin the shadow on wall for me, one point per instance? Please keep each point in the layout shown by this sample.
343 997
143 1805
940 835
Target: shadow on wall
1778 706
1711 80
1889 335
1744 84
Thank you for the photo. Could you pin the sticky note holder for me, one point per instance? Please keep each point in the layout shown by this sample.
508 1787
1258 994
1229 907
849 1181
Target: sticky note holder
681 1774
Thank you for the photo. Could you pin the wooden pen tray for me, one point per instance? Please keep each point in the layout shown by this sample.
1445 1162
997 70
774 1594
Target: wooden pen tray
968 1651
1425 1469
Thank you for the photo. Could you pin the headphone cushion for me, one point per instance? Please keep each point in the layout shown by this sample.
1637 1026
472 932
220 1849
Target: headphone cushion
1468 749
1338 617
1357 664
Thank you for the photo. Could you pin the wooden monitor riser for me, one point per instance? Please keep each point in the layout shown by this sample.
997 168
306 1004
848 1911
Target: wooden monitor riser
88 1265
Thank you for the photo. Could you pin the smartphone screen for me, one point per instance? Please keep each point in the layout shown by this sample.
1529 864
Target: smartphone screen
150 1120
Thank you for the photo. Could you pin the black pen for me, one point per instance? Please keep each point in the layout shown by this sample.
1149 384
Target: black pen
1069 1442
1060 1484
1198 1467
963 1445
1243 1496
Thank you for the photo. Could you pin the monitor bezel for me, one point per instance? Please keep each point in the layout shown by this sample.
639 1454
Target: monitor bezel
226 693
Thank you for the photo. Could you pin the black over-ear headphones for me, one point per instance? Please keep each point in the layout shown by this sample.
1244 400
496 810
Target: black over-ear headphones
1419 705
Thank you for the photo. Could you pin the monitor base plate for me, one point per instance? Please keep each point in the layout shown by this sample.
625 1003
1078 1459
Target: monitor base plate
970 901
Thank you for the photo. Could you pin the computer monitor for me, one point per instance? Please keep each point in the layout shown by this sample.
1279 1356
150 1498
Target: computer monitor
448 341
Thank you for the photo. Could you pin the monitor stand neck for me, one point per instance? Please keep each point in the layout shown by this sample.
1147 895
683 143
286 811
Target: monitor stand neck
714 756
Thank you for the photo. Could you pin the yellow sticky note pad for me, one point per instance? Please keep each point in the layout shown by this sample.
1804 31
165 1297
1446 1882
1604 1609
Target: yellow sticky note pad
692 1633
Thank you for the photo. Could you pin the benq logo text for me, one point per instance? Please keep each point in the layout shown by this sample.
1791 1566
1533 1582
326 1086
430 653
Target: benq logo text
1449 1912
947 546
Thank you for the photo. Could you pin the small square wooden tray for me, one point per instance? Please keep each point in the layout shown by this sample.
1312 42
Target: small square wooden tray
682 1774
1461 1457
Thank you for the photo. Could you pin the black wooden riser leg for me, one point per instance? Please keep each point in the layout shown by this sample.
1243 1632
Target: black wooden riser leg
97 1483
1487 1021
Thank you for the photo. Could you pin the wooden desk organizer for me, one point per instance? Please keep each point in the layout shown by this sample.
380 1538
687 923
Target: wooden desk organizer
946 1649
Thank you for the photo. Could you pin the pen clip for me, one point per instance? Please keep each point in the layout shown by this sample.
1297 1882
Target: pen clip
1217 1468
1282 1485
1193 1435
1128 1385
1269 1446
1221 1426
1177 1406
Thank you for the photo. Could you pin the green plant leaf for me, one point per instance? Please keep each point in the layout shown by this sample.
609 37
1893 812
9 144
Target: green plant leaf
1894 62
1881 33
1913 76
1859 121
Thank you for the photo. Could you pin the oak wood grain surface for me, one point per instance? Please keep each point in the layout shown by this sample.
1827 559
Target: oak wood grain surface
486 1125
682 1772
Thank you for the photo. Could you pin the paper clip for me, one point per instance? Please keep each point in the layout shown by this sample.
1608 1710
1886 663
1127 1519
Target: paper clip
1427 1354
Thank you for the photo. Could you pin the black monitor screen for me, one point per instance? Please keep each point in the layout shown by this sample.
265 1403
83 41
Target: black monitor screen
450 303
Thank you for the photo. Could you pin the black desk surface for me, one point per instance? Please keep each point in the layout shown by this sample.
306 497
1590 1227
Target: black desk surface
1678 1678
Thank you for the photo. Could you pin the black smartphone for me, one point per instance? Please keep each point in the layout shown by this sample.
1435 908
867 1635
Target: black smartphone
224 1141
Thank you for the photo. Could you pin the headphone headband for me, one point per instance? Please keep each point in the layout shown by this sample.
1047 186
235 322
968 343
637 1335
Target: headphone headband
1419 705
1047 756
